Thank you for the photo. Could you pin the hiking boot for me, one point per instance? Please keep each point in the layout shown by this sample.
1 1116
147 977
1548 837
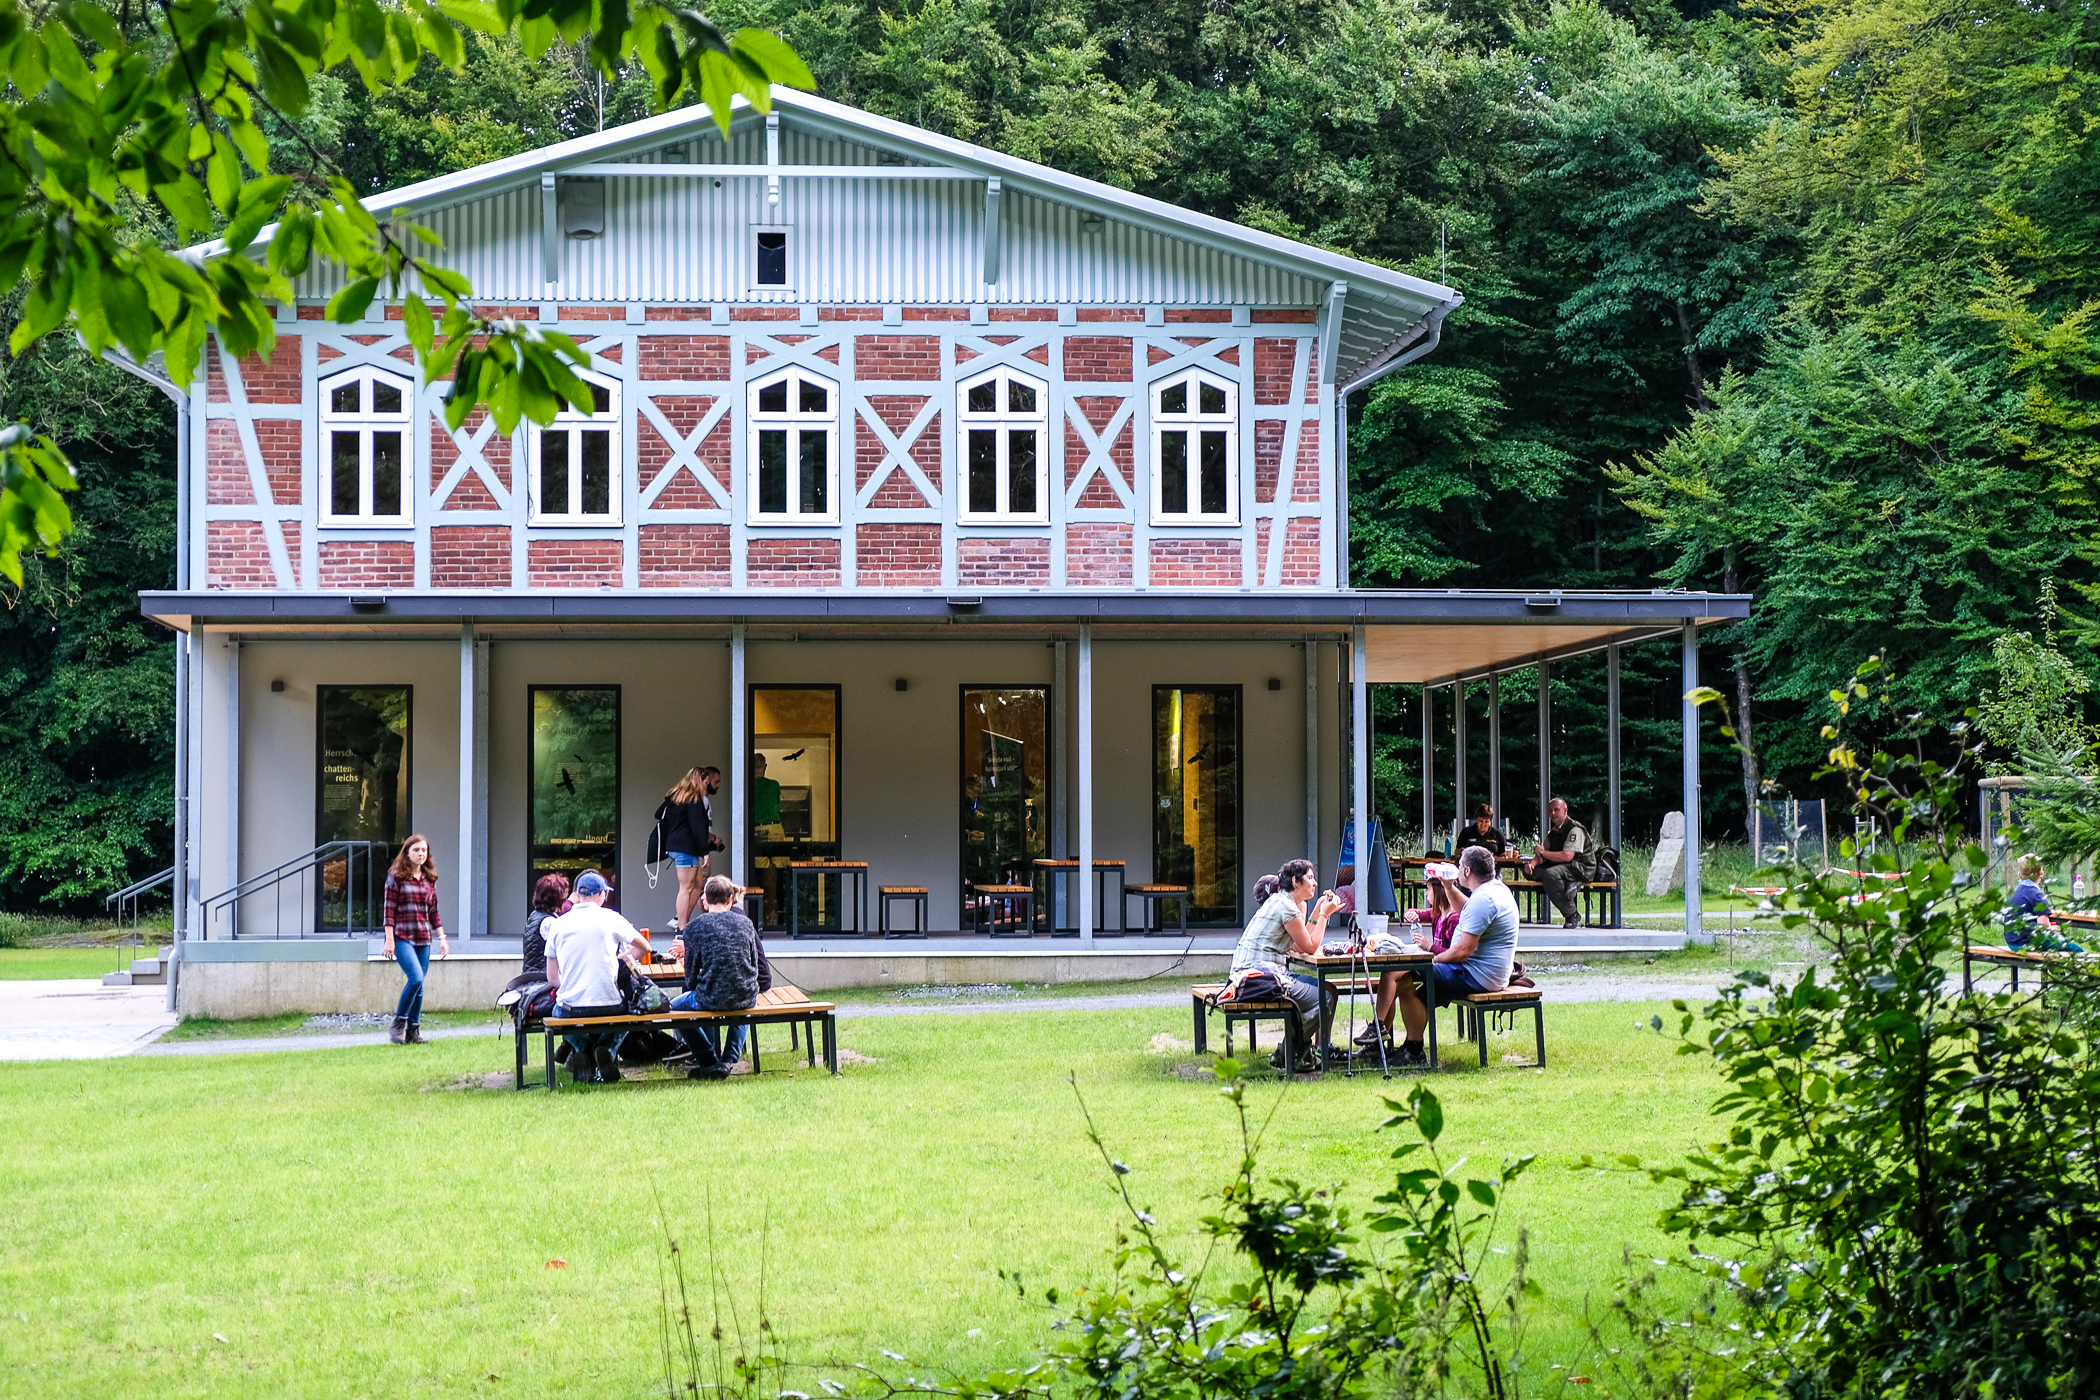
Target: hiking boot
399 1034
1574 920
708 1072
415 1033
1410 1053
1370 1035
608 1067
561 1052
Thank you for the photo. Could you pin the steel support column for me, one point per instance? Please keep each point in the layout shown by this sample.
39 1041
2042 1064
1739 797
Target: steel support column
1693 932
1428 765
1312 751
468 911
1545 740
1085 758
1061 726
739 764
1614 836
1360 762
1495 751
1458 749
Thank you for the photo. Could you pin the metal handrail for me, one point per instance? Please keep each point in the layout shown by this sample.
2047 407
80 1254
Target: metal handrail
294 876
131 893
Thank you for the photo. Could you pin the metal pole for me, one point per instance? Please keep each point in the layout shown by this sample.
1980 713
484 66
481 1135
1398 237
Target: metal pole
1614 834
1312 751
465 912
1360 743
1060 726
1495 749
739 765
1692 930
1545 741
1458 762
1085 879
1428 764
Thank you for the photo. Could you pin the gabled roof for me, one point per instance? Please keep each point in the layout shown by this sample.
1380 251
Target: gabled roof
1383 313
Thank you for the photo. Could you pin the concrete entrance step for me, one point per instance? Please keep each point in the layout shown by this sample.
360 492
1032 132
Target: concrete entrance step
144 972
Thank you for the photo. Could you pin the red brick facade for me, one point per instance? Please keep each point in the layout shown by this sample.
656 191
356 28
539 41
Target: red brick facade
1098 358
1303 551
897 357
774 563
685 556
701 358
1197 563
470 556
897 556
368 564
1022 562
274 381
237 555
1097 556
573 563
897 490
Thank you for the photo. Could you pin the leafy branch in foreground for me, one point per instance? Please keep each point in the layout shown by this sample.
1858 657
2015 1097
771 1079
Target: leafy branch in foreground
125 133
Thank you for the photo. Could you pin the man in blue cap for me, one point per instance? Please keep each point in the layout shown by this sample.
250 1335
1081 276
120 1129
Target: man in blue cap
583 963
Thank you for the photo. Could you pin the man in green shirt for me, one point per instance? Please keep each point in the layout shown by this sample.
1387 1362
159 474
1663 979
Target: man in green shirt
765 794
1564 862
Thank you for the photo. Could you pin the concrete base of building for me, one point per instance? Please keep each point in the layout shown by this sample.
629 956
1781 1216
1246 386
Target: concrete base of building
225 989
821 971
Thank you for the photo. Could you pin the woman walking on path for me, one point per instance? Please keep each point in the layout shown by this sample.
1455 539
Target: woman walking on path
411 918
689 834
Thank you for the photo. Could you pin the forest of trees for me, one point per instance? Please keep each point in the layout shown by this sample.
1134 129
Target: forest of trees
1798 300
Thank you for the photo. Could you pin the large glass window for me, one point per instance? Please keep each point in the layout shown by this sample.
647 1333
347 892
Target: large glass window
361 793
794 448
364 440
1005 785
1195 467
1196 797
794 808
576 465
573 792
1003 417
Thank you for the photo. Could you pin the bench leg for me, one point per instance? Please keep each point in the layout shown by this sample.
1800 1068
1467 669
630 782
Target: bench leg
550 1062
1202 1026
831 1042
1290 1046
750 1034
1538 1023
519 1037
1482 1039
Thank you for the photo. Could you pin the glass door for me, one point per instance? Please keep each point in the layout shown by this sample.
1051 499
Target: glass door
1196 797
573 791
1005 786
361 794
794 794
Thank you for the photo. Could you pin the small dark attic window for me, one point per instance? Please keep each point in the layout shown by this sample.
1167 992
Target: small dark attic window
772 260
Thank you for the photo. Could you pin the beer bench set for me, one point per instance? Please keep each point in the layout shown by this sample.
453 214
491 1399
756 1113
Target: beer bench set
784 1005
1473 1008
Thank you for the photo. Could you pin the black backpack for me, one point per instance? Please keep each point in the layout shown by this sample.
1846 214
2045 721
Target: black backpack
656 855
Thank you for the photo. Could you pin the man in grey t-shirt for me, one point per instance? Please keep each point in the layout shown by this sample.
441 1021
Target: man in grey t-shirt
1483 948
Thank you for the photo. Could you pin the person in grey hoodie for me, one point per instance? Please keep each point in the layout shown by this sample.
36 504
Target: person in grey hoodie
725 970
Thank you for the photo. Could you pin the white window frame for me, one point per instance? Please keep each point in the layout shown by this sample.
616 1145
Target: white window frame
572 423
1004 421
1192 423
788 260
794 421
364 423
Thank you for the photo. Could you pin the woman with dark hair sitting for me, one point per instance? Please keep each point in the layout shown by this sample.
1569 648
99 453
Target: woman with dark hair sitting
1279 928
550 899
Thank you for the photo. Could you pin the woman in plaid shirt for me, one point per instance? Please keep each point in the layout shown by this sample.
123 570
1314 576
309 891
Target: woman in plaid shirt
411 917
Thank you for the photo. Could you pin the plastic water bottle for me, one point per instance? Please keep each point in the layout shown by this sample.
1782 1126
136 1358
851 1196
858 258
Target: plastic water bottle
2078 892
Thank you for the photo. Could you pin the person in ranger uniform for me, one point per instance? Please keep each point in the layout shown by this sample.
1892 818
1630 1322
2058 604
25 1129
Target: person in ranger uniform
1564 862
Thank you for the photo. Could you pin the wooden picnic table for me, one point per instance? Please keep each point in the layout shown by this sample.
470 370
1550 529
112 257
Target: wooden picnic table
1369 967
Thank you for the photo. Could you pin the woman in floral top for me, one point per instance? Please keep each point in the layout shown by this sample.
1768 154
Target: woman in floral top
411 919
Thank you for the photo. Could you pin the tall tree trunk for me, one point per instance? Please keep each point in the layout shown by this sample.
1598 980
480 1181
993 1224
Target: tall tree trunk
1691 361
1731 582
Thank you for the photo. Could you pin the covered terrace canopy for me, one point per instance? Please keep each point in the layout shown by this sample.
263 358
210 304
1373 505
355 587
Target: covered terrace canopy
1432 638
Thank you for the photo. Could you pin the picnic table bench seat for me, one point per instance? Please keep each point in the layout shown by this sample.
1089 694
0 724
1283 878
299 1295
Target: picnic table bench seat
783 1005
1252 1012
1474 1007
2012 959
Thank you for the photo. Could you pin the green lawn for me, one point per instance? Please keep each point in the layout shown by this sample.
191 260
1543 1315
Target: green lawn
38 964
354 1223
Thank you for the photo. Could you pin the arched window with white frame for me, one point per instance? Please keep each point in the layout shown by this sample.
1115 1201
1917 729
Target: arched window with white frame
1195 456
1004 415
576 460
364 447
794 448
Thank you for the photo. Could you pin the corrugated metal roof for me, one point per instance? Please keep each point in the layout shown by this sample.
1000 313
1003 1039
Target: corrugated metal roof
682 239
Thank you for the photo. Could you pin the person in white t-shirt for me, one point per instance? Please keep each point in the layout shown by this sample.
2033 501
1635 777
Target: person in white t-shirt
1483 949
583 963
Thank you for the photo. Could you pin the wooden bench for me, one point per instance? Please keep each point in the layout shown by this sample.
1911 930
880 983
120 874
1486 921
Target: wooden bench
1531 899
1601 892
989 899
784 1005
1252 1012
915 895
1155 898
1474 1007
2012 959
